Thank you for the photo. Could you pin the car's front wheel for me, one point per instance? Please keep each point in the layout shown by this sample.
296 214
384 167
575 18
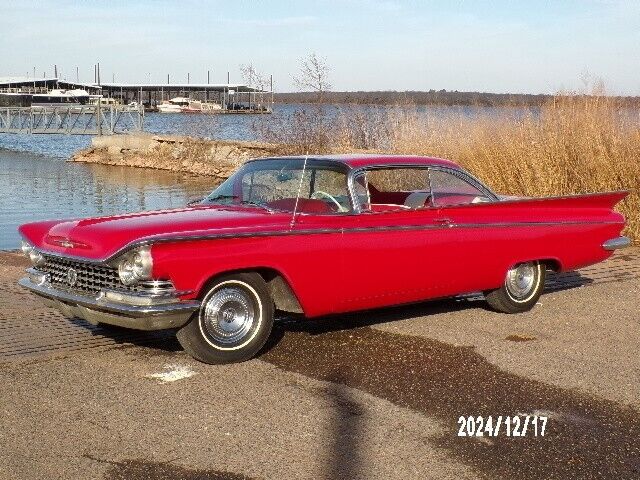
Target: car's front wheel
234 320
521 290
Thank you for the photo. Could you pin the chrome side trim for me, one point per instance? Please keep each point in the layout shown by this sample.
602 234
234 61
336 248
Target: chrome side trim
183 237
616 243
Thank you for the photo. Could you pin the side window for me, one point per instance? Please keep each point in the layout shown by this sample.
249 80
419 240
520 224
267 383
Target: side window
330 186
449 189
392 189
399 179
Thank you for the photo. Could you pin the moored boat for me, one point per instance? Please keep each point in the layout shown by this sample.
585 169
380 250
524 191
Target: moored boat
175 105
57 97
187 105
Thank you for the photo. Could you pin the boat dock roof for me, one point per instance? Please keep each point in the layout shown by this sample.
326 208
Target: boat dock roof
53 82
47 82
183 87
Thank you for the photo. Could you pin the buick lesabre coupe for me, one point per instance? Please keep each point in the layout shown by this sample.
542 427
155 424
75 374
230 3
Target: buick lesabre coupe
316 236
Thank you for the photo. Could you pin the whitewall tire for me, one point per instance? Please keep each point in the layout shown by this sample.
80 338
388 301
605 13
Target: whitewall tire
234 320
521 290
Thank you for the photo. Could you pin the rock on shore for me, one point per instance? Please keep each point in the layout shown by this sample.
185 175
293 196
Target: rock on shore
176 153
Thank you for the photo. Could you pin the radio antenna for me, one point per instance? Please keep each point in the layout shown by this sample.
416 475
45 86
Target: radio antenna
295 207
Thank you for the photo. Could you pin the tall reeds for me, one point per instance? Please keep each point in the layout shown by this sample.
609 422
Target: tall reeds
570 144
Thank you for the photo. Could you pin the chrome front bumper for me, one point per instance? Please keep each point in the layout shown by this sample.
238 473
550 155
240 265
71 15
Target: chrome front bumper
140 312
616 243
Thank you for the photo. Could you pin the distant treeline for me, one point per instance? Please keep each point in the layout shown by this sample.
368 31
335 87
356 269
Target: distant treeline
432 97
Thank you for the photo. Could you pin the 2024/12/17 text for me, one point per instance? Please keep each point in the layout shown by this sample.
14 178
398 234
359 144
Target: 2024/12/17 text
511 426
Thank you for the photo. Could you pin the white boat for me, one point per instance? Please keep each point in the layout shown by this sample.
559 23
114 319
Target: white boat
187 105
175 105
55 98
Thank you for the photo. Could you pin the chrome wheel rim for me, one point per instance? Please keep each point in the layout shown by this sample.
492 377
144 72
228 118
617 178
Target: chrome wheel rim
229 315
521 281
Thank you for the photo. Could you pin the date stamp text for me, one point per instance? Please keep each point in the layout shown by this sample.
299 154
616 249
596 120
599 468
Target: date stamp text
510 426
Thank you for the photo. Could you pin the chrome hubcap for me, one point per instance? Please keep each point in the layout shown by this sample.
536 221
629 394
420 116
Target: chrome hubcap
228 315
521 280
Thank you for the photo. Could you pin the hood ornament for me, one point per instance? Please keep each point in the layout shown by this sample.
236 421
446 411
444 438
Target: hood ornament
64 242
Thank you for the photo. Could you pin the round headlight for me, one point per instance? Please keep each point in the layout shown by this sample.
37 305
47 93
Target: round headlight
136 266
32 254
26 248
36 258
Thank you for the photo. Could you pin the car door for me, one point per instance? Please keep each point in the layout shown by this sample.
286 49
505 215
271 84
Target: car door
477 237
395 253
316 249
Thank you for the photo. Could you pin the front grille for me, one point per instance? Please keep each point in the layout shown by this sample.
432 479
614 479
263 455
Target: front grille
91 278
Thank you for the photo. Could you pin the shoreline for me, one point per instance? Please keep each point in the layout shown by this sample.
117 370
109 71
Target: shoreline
177 153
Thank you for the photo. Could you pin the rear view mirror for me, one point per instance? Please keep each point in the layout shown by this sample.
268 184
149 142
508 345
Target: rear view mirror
285 176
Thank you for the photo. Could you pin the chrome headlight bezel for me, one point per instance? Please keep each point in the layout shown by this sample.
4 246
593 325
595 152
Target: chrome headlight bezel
32 254
135 266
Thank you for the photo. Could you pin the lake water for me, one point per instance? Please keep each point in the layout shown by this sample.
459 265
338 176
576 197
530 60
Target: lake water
35 187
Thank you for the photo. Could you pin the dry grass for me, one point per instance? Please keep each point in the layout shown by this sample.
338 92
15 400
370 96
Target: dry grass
572 144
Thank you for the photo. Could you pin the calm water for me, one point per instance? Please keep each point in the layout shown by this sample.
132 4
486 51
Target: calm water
36 187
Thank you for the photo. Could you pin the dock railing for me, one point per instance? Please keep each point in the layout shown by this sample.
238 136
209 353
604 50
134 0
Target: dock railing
72 119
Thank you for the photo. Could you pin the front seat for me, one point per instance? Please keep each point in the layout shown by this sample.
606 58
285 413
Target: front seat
417 200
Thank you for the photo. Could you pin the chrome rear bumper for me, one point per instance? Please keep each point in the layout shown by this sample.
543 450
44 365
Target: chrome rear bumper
113 308
616 243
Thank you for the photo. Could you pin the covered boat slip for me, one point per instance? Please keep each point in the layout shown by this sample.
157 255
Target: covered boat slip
231 97
24 91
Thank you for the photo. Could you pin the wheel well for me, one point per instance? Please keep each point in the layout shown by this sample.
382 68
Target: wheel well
551 264
281 292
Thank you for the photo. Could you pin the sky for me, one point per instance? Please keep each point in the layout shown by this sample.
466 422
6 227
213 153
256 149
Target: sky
532 46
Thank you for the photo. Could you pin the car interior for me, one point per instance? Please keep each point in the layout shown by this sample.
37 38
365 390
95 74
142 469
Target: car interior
398 192
323 190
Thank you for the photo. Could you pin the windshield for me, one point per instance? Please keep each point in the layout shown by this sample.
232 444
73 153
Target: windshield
275 184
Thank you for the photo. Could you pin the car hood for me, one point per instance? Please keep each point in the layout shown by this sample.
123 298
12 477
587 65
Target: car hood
101 238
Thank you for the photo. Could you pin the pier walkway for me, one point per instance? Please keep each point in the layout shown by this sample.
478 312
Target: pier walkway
72 119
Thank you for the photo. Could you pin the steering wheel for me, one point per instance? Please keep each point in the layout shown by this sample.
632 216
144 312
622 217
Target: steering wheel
320 193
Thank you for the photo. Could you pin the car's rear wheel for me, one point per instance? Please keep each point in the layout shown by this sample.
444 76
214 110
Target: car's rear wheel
521 290
234 320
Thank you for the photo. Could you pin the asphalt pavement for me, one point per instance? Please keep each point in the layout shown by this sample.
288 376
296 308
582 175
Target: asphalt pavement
371 395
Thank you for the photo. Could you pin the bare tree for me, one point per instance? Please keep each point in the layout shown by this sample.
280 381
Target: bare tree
254 79
313 75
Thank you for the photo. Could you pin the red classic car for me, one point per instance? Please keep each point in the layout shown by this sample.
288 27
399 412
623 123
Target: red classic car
313 235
